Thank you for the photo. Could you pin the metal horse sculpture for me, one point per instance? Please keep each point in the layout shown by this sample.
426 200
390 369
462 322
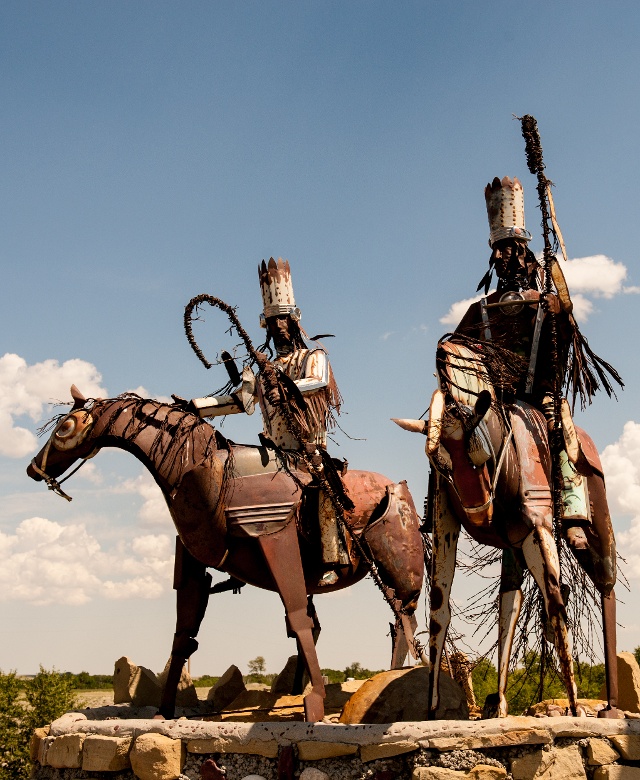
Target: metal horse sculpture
483 493
236 510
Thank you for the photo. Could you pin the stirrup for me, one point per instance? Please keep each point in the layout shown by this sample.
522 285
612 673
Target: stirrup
328 578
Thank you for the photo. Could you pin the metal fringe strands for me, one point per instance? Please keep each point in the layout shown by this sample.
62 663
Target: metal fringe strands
585 371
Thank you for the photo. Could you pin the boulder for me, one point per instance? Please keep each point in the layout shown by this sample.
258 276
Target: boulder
146 690
283 684
228 688
136 684
401 695
628 683
555 764
555 707
156 757
124 673
186 695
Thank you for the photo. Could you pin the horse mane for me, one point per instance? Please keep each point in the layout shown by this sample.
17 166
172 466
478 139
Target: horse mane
181 440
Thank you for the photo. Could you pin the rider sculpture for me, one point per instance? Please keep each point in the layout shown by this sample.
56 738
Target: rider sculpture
508 462
310 371
516 318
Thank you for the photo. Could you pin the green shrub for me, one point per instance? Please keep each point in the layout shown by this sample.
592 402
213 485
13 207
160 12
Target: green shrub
24 706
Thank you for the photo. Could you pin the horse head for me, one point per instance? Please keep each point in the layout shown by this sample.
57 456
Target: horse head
69 441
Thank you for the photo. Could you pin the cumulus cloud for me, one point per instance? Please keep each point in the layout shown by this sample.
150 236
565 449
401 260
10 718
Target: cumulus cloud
45 562
26 391
595 276
457 310
154 511
621 462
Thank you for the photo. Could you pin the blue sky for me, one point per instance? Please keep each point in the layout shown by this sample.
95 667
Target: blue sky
154 151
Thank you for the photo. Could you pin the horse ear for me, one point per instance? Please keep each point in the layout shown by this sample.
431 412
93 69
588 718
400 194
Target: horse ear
78 399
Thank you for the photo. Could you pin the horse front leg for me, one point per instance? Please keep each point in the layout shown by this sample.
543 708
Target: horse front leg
541 555
510 600
281 551
446 530
192 584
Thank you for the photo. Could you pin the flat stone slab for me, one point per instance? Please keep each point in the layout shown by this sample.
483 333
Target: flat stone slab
441 735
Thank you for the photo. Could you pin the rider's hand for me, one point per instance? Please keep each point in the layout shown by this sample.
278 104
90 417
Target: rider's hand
552 303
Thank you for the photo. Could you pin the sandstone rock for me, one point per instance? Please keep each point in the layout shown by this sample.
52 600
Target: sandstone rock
387 750
228 688
600 752
37 736
487 772
186 695
105 754
506 737
401 695
124 673
628 683
230 744
556 764
314 751
283 684
628 745
146 690
436 773
311 773
254 777
65 752
156 757
617 772
555 707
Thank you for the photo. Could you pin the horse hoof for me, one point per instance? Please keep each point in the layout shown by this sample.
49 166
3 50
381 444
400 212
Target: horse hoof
611 712
313 707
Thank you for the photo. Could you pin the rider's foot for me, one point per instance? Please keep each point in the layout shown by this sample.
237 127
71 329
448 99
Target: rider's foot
577 537
328 578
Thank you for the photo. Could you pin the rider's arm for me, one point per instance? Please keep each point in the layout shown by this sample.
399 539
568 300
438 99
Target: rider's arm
316 372
216 405
241 400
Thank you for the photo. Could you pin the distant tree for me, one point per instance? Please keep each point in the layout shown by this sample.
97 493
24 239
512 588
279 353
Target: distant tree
636 652
358 672
485 680
334 675
257 666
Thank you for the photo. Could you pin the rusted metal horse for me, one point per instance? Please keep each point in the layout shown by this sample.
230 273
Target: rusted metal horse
492 475
237 510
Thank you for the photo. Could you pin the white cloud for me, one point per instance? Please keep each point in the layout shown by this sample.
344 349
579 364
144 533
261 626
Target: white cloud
458 310
621 463
595 276
26 390
154 511
45 562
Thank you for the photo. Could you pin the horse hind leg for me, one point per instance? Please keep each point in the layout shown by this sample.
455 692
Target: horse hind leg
192 584
539 549
282 555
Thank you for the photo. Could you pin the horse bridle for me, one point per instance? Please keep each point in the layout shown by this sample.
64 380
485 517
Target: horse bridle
53 483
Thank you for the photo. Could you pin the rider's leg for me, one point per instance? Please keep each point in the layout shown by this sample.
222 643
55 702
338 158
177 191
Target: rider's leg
575 504
333 552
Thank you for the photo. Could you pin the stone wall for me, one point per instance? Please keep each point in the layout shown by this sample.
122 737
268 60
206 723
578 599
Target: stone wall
522 748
